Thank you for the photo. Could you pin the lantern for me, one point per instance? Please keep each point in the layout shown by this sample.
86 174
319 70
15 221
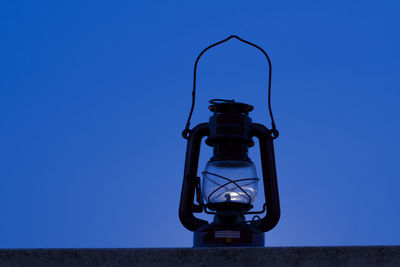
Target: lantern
229 182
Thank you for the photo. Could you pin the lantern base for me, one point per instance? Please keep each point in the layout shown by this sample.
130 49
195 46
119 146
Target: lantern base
238 235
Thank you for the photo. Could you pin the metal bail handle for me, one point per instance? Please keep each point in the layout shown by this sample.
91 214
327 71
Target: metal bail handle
274 132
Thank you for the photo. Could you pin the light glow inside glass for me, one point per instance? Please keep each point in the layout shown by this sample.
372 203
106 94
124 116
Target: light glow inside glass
230 181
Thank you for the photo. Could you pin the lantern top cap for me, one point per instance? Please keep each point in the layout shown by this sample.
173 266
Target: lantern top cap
229 106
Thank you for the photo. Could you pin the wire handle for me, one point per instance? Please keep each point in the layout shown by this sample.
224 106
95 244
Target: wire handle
274 132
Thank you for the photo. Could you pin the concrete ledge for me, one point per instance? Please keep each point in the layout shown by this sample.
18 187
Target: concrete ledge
277 256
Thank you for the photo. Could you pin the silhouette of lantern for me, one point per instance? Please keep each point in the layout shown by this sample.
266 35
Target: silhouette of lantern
229 182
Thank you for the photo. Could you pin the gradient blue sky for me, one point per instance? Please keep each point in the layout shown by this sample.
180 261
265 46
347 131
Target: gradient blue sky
94 96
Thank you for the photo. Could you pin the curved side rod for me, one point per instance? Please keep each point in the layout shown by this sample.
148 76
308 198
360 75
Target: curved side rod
187 206
186 131
269 178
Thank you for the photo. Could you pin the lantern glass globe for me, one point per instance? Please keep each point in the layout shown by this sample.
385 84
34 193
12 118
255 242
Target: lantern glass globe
230 181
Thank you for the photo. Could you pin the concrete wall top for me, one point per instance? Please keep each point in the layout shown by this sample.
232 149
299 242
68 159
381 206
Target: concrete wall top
275 256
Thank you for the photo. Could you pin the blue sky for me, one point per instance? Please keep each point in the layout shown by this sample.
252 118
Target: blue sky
94 96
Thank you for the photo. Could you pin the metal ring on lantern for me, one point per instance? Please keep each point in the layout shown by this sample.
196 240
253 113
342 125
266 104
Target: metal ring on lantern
274 132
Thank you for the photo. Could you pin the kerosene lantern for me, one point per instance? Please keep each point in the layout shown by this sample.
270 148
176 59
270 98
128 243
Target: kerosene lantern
229 182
